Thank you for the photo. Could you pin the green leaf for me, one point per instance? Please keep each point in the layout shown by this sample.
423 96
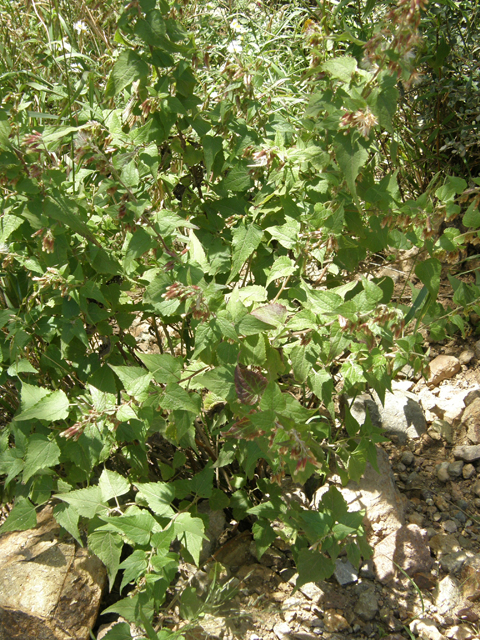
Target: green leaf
351 156
281 268
274 314
137 525
41 454
190 604
119 631
264 535
107 546
22 517
88 502
128 68
341 67
164 367
21 366
134 567
112 485
159 496
245 241
175 397
67 517
134 379
429 272
238 179
190 533
286 234
313 566
472 216
50 406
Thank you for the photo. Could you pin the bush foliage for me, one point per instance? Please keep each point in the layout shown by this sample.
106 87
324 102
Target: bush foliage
236 186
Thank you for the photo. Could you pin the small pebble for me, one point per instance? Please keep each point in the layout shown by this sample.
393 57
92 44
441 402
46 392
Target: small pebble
401 467
466 356
476 488
468 471
407 458
460 517
455 468
450 526
442 472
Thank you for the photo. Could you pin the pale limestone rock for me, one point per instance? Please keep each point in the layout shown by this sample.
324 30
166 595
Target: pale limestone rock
443 368
49 589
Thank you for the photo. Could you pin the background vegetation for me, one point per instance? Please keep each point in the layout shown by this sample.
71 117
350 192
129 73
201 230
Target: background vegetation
236 174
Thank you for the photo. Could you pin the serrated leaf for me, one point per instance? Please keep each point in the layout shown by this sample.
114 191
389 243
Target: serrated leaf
175 397
88 502
164 367
313 566
286 234
129 608
67 517
41 454
159 496
245 241
52 406
134 567
341 67
127 68
135 380
249 385
137 527
429 272
281 268
107 546
351 156
472 216
190 533
112 485
119 631
264 535
274 314
21 366
22 517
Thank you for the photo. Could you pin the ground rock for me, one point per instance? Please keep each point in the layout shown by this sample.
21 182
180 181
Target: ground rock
471 421
335 622
466 356
345 572
426 630
476 488
455 468
400 415
367 605
468 471
282 630
443 543
442 471
459 632
443 368
448 594
408 548
376 493
468 453
441 429
49 588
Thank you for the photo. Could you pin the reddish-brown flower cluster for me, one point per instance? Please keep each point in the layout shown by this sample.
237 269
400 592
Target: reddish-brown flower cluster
398 40
52 278
182 292
48 239
363 120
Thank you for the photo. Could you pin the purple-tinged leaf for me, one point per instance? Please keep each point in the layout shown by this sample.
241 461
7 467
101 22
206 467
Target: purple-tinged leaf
274 314
249 385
